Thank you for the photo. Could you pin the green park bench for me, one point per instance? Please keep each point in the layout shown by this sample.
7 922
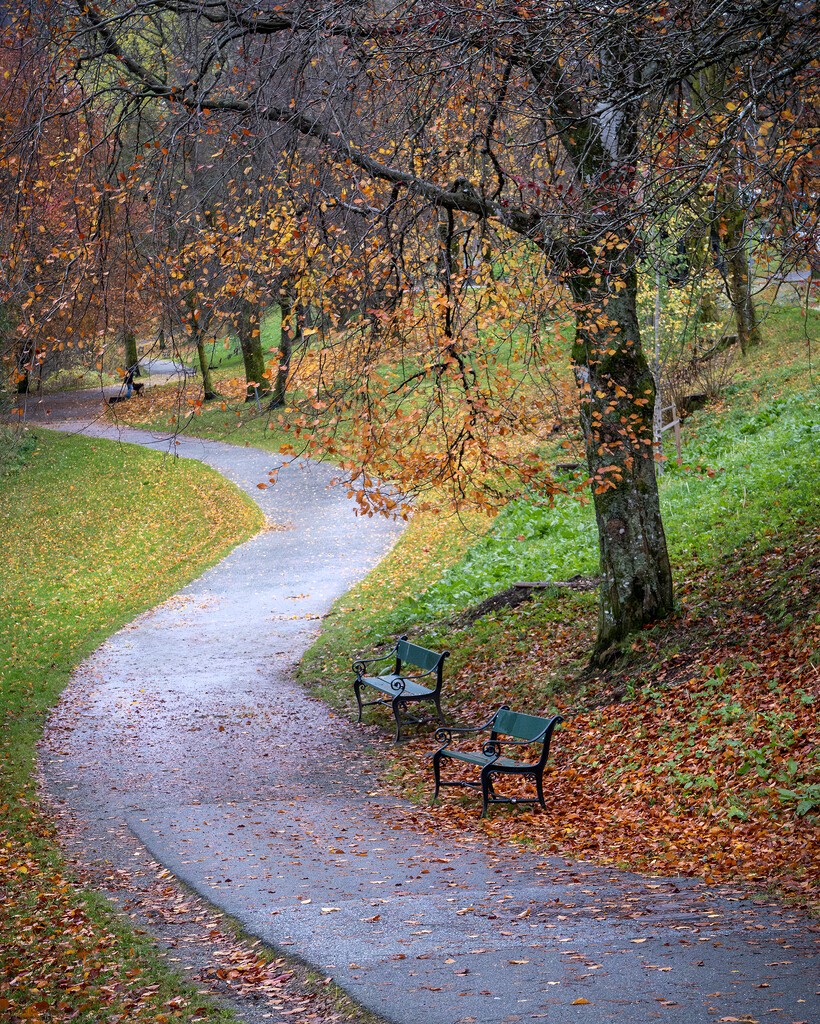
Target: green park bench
399 687
506 728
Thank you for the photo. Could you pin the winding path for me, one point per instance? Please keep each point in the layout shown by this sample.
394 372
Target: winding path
186 727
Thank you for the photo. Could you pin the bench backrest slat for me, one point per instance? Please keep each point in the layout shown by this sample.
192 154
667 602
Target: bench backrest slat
418 656
522 727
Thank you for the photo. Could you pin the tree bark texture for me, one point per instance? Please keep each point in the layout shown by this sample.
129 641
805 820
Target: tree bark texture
617 402
710 96
204 367
196 332
289 333
738 282
131 353
250 341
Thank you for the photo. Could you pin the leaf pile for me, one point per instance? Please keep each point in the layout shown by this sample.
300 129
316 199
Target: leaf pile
700 757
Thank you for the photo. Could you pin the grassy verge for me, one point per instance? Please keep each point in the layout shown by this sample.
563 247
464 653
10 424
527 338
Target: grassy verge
92 533
700 752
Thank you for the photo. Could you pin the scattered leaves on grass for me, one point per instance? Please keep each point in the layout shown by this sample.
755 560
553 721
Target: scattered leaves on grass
92 533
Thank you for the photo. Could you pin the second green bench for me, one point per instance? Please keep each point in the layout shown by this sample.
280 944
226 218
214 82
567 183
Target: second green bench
508 729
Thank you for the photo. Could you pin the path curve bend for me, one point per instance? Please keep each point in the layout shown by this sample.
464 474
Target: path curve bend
186 728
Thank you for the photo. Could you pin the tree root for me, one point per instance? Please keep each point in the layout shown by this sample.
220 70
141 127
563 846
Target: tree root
516 595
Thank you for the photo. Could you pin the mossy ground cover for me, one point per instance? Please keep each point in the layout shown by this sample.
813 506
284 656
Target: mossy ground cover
699 752
93 533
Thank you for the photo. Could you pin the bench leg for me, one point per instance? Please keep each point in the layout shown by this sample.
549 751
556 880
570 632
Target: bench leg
436 774
539 788
486 789
441 717
395 705
356 687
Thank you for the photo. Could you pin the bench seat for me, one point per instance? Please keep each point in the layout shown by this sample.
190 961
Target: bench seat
391 683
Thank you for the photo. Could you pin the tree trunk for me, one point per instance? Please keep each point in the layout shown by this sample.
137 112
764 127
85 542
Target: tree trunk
710 96
131 354
205 370
708 311
196 333
617 402
290 333
738 282
250 341
24 359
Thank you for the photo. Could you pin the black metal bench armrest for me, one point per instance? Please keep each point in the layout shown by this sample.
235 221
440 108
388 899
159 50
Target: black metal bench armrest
360 663
446 732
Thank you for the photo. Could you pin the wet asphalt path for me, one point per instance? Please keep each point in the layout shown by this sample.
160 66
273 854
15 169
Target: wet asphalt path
187 727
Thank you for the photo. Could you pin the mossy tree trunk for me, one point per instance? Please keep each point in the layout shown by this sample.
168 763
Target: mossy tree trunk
250 341
207 381
728 219
617 402
738 279
290 334
196 332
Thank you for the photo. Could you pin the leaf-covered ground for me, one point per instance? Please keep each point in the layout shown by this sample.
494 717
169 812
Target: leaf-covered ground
701 757
700 752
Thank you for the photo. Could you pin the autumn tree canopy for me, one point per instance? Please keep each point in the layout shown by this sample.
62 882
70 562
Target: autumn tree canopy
466 185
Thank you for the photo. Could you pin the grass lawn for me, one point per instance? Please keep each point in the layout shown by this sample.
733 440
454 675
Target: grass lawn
93 533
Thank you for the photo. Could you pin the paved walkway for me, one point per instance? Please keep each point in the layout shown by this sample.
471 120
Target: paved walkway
79 406
187 727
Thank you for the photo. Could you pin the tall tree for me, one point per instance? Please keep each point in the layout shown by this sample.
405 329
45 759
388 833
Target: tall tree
728 218
446 129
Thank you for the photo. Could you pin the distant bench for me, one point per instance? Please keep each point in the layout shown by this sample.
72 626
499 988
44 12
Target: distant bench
506 728
399 687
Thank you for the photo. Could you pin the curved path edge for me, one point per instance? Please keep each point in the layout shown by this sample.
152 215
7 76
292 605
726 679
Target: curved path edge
186 728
